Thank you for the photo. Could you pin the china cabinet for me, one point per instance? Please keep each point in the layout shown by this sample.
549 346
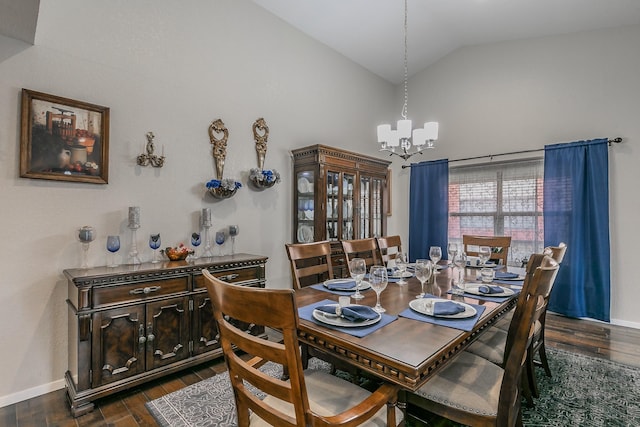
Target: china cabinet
338 195
133 323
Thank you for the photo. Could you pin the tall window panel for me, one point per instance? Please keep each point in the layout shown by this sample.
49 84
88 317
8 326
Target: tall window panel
499 199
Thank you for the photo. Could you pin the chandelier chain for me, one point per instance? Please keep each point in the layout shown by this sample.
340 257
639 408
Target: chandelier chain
406 65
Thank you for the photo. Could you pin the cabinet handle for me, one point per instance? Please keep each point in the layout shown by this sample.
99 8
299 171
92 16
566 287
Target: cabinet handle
141 338
150 336
228 277
145 290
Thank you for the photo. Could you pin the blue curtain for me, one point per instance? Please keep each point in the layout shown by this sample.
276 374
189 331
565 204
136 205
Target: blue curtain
576 211
428 207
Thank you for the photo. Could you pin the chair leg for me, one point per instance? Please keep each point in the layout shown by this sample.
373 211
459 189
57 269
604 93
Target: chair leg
530 374
543 359
526 389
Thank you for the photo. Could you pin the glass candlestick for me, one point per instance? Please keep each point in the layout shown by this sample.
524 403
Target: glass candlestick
133 252
206 252
86 235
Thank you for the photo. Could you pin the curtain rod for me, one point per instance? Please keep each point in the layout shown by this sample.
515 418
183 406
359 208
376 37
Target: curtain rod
491 156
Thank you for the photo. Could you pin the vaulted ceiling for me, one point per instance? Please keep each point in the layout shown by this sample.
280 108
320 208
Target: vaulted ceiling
370 32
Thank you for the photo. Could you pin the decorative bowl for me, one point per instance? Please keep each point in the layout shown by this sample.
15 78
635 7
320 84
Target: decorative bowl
261 184
221 192
177 254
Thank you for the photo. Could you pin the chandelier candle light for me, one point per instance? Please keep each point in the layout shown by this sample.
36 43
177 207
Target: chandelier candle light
403 137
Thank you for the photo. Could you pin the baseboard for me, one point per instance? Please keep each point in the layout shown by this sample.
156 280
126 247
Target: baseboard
625 323
10 399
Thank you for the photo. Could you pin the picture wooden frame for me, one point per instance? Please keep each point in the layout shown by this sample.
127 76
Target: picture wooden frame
63 139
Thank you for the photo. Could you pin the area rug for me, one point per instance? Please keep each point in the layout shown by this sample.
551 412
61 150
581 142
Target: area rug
583 391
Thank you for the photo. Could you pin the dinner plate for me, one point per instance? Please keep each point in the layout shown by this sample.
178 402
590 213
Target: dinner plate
364 285
487 264
475 290
520 277
334 320
305 234
405 275
423 306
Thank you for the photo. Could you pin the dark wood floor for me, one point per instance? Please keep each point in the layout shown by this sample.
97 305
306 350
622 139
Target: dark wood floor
127 408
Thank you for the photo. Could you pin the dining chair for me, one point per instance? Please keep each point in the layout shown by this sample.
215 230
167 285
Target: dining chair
473 391
310 263
499 246
362 248
309 397
389 247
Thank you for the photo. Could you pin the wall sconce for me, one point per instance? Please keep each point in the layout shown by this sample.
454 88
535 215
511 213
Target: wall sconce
148 158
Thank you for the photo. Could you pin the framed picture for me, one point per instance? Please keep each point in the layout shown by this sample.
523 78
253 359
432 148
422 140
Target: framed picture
63 140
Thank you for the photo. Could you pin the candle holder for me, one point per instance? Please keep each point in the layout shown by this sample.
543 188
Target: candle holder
134 224
86 235
206 225
148 158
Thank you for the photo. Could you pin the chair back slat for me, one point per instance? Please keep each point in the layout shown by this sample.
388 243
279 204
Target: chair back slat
499 246
310 263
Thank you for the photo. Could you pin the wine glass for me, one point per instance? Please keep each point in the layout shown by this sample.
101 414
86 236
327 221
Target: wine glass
154 243
460 260
378 280
86 235
484 253
452 251
357 269
401 265
234 230
196 240
435 253
113 246
424 269
221 236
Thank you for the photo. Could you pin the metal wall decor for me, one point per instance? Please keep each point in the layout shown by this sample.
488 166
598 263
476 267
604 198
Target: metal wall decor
262 178
149 158
220 188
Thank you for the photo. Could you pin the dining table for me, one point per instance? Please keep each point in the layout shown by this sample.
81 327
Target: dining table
405 347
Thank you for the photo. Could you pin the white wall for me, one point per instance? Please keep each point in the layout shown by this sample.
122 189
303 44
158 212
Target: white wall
171 68
522 95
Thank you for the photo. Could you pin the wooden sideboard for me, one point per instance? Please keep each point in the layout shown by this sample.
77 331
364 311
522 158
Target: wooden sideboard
131 324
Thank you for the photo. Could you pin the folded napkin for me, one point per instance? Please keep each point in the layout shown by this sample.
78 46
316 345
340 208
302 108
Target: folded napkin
345 285
486 289
353 313
505 275
443 308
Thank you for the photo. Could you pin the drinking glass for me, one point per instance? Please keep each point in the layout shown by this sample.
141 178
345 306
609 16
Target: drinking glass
424 269
435 253
357 269
221 236
460 260
401 265
378 280
154 243
196 240
113 246
234 230
86 235
484 253
452 251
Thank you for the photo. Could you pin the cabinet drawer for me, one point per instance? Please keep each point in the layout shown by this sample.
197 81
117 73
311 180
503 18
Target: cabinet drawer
105 295
231 276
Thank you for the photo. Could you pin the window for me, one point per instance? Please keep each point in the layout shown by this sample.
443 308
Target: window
499 199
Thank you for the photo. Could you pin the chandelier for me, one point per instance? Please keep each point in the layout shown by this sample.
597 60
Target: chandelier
403 139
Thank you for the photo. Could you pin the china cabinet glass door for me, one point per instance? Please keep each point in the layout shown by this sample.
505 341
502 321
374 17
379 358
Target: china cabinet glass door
371 207
306 206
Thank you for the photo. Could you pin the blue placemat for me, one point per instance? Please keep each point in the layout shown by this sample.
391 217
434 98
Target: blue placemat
466 324
306 313
321 287
509 282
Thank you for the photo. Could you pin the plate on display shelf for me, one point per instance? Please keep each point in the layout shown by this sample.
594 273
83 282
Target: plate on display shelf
305 234
304 186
